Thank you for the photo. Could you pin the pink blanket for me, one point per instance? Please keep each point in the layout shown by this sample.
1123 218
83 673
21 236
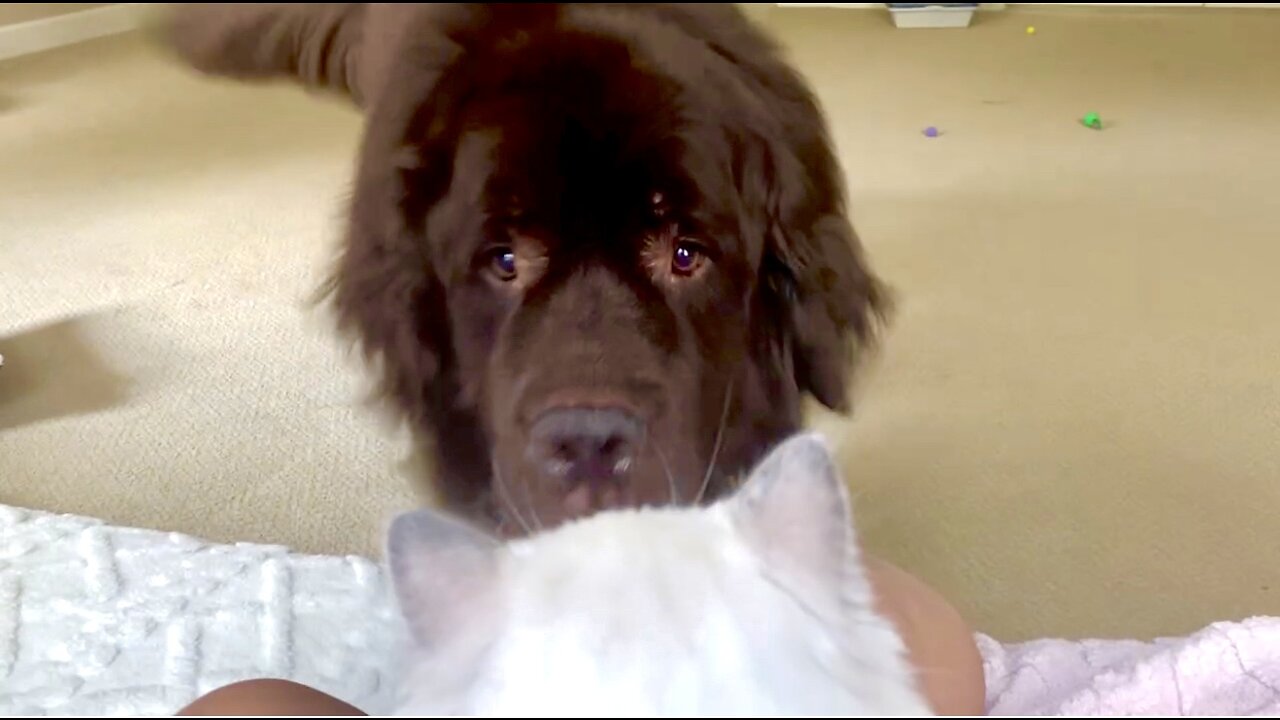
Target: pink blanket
1228 668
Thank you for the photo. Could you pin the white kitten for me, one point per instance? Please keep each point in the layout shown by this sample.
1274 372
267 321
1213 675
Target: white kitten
757 605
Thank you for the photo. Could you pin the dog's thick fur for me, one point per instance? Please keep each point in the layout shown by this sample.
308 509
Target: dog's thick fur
588 145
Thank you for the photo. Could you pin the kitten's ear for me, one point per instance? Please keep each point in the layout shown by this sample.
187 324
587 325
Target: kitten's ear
444 572
794 510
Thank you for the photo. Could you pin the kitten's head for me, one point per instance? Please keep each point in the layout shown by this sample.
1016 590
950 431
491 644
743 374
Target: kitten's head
758 604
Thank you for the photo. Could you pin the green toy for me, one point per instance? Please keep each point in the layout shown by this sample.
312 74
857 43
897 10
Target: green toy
1091 120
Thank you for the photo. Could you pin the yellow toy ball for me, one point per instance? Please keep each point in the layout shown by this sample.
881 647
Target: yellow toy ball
1031 30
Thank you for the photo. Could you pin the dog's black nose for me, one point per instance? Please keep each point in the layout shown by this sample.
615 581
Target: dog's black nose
586 444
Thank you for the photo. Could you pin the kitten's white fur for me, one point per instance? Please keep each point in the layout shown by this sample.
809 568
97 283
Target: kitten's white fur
757 605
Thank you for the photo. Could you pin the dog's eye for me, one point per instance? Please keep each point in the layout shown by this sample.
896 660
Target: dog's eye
687 258
502 261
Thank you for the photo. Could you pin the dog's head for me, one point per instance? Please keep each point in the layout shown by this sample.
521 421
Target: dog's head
599 251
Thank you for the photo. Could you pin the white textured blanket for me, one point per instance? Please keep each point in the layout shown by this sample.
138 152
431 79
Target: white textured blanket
100 620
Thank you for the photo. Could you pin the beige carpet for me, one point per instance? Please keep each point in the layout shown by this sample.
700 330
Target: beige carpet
1074 428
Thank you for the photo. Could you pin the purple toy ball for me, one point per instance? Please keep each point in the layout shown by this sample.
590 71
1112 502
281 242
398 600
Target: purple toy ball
931 131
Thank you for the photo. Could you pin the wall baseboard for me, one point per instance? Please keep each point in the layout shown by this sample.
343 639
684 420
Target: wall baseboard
871 6
53 32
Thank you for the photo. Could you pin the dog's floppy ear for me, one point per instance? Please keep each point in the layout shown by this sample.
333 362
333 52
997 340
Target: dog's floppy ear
816 278
830 300
386 288
387 293
389 298
315 44
834 309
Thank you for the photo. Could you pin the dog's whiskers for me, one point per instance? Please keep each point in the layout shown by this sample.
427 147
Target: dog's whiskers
506 498
671 479
531 506
715 449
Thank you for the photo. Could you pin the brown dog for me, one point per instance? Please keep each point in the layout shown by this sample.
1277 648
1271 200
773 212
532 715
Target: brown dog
598 252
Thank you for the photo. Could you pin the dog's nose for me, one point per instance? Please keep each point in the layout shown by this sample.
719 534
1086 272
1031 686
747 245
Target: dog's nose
586 445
